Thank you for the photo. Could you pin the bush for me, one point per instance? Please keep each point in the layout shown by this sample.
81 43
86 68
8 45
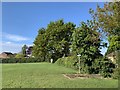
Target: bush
116 73
102 66
21 60
107 67
70 62
96 66
19 55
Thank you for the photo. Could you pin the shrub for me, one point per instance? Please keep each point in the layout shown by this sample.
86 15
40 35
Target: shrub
116 73
102 66
107 67
19 55
96 66
70 61
21 60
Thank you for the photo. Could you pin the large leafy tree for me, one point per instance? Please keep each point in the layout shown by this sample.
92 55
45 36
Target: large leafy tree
39 47
55 41
108 21
59 38
86 42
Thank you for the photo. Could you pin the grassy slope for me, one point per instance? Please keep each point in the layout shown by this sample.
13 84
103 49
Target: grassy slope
45 75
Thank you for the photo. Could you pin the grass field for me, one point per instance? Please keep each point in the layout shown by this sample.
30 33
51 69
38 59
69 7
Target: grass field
46 75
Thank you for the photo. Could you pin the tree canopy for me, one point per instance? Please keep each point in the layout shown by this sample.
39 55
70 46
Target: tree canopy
54 41
86 42
60 39
24 50
107 19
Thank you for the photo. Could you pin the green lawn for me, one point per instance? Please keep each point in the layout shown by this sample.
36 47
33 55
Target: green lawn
46 75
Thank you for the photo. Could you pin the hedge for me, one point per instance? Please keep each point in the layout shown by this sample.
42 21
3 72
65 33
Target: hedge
102 66
70 62
21 60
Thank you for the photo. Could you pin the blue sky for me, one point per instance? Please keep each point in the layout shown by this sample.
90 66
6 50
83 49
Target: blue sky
21 21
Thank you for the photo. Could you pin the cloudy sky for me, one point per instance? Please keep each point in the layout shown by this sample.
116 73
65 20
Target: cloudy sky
21 21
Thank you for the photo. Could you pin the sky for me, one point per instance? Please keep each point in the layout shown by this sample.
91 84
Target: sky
22 20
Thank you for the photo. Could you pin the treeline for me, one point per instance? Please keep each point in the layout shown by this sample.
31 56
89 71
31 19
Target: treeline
60 39
63 39
63 42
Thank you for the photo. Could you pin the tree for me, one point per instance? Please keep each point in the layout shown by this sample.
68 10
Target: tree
86 42
54 41
108 21
24 50
59 38
19 55
39 47
114 43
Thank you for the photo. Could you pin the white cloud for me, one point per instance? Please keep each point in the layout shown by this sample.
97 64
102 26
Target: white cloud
13 37
9 43
10 47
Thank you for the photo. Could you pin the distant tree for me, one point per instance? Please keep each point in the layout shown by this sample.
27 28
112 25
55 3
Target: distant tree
19 55
24 48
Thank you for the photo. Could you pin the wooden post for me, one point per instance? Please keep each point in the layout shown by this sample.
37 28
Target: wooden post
79 62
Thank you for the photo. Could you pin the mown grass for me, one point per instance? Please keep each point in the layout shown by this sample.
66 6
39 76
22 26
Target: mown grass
46 75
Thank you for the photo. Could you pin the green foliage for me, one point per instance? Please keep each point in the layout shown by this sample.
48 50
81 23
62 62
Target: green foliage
39 48
21 60
24 50
107 19
86 42
59 38
54 41
116 73
70 62
107 67
114 43
19 55
96 66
